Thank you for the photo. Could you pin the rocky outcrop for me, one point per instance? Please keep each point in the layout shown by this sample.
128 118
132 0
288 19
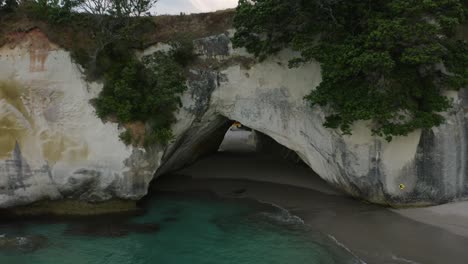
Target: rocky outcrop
24 244
426 167
52 145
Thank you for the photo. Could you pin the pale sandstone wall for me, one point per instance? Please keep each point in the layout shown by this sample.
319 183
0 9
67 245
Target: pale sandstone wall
52 145
425 167
65 150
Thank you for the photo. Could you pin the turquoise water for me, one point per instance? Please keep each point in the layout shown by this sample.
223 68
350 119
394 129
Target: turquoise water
176 229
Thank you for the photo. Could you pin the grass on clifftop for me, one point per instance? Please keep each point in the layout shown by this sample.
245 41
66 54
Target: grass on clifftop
76 35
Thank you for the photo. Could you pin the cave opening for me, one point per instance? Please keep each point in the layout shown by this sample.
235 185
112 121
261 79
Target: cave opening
228 150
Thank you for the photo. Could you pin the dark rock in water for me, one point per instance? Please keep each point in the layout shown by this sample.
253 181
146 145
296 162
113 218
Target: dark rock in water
143 228
240 191
173 211
110 229
22 243
170 219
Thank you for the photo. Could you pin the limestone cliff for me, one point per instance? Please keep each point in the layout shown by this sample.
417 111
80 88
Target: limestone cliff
426 167
52 145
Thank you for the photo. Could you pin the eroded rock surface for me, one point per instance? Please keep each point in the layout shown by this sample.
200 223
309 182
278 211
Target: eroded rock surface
22 243
53 146
426 167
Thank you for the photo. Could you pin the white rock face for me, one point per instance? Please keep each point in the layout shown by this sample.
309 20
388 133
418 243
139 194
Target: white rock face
425 167
52 145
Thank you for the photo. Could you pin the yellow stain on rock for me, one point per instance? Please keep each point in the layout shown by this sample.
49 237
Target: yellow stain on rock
57 147
12 129
19 126
11 92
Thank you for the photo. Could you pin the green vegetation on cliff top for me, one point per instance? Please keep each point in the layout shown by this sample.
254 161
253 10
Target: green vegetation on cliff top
387 61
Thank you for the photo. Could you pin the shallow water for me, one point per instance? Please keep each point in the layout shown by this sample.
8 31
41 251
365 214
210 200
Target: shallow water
175 229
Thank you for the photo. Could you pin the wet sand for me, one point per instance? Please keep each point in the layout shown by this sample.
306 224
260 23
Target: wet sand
452 217
374 234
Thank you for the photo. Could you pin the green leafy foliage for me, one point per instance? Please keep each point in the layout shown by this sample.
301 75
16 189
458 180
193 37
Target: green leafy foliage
131 7
147 91
126 137
182 51
8 5
52 11
385 60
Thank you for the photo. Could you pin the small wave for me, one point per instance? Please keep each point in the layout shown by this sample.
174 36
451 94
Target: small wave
21 241
285 217
404 260
282 216
2 235
346 248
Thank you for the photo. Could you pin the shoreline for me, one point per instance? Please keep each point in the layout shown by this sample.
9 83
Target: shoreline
452 217
373 233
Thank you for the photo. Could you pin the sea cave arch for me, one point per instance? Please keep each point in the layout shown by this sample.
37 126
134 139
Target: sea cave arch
220 136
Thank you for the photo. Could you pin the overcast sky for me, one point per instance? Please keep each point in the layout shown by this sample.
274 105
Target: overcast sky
192 6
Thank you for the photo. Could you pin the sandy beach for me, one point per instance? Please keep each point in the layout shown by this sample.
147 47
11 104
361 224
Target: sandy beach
374 234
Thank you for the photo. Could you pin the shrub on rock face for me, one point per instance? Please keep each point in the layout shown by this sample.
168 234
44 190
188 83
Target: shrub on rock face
8 5
182 51
381 60
52 11
147 91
